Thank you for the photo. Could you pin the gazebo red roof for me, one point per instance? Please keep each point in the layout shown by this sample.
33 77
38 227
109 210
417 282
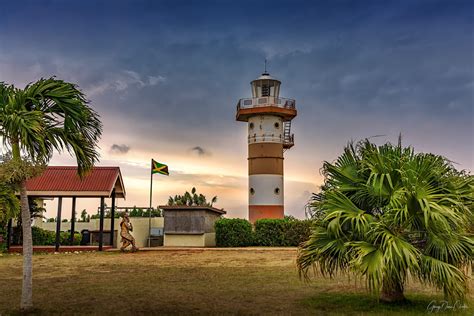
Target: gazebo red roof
64 181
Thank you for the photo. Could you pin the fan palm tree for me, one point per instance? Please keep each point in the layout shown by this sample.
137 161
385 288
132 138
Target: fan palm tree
46 115
387 213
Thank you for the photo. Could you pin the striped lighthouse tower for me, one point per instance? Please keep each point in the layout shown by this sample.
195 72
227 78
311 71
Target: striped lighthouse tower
269 134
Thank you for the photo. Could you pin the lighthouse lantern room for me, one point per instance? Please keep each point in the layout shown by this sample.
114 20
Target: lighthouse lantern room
269 134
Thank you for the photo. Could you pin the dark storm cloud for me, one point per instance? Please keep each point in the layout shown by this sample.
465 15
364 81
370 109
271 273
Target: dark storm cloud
388 65
200 151
119 149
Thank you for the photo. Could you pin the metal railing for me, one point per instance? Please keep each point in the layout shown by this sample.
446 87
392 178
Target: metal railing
271 138
249 103
289 141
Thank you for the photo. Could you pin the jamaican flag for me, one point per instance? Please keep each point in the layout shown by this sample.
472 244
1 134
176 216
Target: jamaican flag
160 168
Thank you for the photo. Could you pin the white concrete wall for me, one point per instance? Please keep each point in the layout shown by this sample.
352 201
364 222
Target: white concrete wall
210 239
264 186
140 227
184 240
265 129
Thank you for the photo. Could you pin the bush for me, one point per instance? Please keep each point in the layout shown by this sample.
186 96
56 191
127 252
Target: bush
236 232
64 239
270 232
281 232
42 237
297 231
233 232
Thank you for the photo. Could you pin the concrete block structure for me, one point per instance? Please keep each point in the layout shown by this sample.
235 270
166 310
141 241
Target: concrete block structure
190 226
269 134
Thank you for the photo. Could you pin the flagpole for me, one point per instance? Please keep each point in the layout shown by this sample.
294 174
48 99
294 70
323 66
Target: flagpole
151 198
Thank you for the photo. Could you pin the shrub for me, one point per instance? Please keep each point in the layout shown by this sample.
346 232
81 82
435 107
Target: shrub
269 232
297 231
42 237
233 232
281 232
65 239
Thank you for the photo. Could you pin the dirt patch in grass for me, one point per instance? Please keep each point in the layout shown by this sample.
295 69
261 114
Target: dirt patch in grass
195 282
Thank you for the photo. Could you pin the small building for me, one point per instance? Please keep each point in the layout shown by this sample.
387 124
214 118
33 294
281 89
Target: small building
190 226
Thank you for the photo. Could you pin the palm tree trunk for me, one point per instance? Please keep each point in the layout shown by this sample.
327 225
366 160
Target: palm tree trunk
27 287
392 293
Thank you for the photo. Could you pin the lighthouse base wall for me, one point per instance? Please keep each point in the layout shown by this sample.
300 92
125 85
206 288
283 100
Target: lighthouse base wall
265 211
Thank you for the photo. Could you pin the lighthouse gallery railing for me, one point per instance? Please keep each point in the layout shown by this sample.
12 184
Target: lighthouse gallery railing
266 101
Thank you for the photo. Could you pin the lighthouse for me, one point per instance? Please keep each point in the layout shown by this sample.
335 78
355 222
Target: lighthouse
268 119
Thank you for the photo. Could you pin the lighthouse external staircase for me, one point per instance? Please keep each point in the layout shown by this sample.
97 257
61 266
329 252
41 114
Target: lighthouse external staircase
288 138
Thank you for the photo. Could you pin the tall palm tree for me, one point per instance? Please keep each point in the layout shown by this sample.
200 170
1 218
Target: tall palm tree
46 115
387 213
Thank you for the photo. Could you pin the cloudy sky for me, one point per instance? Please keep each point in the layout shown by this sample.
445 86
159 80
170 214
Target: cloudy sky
165 77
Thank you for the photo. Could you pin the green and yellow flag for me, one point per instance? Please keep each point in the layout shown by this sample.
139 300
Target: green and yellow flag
160 168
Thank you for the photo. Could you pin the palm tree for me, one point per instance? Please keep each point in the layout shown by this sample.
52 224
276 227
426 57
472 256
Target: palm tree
191 199
387 213
47 115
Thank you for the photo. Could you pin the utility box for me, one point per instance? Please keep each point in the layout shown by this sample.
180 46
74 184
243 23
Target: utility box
190 226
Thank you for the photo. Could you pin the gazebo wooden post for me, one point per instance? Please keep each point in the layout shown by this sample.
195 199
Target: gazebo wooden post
73 220
58 224
112 219
9 233
101 224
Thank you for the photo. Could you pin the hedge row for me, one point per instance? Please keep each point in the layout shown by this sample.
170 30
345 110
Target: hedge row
42 237
236 232
233 232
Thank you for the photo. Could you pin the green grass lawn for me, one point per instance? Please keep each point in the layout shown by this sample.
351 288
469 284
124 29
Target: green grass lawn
194 282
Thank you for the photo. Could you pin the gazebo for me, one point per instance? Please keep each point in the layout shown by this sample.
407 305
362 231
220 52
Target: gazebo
63 182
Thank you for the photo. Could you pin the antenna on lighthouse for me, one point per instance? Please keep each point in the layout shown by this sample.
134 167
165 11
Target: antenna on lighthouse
265 69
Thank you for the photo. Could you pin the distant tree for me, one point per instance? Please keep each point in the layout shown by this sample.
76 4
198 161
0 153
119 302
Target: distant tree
191 199
84 216
134 212
50 220
36 210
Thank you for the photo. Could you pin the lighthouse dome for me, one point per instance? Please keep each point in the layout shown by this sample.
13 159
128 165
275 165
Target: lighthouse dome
266 76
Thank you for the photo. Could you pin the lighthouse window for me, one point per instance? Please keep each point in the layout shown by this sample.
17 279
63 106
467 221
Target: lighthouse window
252 191
265 91
251 125
248 102
277 125
277 191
